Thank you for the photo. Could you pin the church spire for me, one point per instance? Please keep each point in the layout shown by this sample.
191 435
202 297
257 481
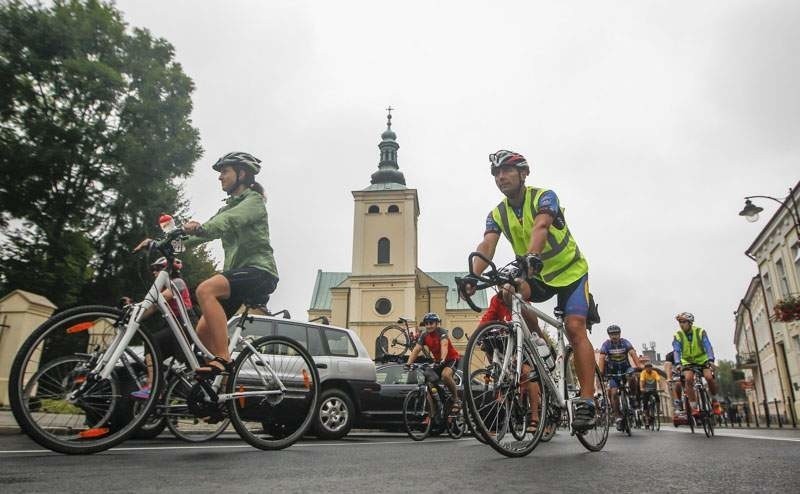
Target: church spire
388 170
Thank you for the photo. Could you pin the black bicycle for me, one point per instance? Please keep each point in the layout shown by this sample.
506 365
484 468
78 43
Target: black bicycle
624 403
705 415
430 406
652 417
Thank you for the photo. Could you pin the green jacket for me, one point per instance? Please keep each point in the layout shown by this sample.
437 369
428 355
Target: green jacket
242 225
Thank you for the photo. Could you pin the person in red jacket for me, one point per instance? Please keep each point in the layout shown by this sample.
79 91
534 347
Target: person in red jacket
436 339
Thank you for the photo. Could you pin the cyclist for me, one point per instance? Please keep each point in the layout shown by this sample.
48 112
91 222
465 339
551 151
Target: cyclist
648 386
692 347
675 378
164 337
532 219
444 353
249 264
616 354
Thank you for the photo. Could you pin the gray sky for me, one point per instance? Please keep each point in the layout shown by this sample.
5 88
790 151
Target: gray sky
650 120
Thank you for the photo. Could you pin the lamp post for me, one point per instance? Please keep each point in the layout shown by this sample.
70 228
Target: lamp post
758 360
750 213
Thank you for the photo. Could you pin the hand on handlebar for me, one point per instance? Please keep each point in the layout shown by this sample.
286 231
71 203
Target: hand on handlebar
143 244
533 264
469 284
191 226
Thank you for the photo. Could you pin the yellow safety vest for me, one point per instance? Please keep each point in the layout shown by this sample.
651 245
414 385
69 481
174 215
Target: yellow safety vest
563 261
692 352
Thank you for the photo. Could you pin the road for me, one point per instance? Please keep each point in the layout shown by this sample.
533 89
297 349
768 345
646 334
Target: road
667 461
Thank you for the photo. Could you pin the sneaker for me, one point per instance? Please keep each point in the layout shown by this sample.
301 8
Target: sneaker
584 415
142 394
618 423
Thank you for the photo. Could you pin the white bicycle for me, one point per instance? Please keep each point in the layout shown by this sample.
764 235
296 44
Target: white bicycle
71 381
495 359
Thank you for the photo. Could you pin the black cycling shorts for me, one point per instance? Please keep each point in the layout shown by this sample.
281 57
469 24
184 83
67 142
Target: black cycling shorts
247 284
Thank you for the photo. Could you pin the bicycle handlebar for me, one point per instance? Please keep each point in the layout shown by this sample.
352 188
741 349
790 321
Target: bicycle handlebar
491 277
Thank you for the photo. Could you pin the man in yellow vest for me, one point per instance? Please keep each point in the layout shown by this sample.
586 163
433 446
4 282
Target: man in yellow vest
692 347
533 221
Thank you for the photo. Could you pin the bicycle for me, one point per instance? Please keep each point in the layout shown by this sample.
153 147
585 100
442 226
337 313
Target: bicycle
706 415
624 403
431 405
652 417
396 340
71 380
498 351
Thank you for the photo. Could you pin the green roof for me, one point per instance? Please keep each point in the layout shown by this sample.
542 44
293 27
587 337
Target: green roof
321 297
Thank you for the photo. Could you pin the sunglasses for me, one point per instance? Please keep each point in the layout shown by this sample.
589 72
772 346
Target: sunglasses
682 322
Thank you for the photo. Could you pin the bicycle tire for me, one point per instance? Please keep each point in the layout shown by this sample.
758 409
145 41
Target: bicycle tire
393 340
489 402
455 424
292 408
657 419
595 438
689 415
417 414
706 414
550 427
84 429
180 420
476 377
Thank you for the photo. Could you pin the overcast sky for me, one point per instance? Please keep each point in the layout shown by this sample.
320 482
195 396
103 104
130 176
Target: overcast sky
650 120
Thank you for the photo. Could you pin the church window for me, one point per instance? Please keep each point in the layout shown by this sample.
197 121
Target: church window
383 306
394 209
373 209
383 251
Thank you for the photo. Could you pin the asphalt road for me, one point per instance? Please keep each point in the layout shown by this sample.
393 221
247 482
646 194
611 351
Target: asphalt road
668 461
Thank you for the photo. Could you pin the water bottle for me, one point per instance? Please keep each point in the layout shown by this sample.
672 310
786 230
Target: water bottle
436 398
544 351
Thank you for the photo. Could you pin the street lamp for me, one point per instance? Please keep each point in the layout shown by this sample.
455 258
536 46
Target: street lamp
750 210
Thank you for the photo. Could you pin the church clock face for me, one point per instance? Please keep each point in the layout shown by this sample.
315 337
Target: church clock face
383 306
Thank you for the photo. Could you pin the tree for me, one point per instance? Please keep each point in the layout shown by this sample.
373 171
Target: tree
95 135
727 377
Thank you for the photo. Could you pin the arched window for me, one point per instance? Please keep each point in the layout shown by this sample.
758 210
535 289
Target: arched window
383 251
374 209
394 209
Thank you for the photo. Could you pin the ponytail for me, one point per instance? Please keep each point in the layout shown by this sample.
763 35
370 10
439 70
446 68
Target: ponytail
258 188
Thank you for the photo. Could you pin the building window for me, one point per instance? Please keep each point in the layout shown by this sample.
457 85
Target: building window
394 209
768 289
796 340
796 255
383 306
784 283
458 332
374 209
383 251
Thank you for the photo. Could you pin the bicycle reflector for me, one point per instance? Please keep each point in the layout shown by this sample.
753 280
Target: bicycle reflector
93 433
82 326
306 379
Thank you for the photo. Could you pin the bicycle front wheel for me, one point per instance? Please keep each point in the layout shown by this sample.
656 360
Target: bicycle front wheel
595 438
273 392
478 377
180 420
417 414
393 340
57 400
490 398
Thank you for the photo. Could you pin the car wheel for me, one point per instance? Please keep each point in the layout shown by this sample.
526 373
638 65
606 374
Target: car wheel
335 413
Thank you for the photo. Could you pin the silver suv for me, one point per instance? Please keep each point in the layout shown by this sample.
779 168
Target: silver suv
346 371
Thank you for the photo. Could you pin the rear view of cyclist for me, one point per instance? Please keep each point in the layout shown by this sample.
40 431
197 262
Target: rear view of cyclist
615 357
693 348
249 266
444 353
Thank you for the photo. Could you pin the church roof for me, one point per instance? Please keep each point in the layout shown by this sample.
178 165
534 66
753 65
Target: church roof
321 297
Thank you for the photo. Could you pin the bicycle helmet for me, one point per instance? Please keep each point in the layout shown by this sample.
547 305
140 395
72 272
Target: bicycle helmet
246 160
507 158
614 329
685 316
431 316
161 263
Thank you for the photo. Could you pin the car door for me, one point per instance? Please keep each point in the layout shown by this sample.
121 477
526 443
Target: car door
397 383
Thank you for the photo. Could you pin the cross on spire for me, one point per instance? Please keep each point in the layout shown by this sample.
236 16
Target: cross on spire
389 116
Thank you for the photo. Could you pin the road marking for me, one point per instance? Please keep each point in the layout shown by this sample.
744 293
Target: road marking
238 446
739 436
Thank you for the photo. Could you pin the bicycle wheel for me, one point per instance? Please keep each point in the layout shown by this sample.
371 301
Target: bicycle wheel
706 415
553 419
595 438
418 414
689 415
491 402
53 395
274 392
657 419
455 422
393 340
476 379
181 421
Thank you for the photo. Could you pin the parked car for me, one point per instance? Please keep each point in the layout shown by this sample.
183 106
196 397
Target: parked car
346 372
384 409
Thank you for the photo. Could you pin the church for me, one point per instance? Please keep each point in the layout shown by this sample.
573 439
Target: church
385 282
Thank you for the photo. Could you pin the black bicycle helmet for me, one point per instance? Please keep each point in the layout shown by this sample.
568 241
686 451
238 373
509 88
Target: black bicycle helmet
431 316
614 329
507 158
246 160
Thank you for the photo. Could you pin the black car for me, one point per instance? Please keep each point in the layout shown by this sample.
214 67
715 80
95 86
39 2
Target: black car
383 409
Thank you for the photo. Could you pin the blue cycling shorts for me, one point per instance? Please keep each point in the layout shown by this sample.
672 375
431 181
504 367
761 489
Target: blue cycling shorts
573 299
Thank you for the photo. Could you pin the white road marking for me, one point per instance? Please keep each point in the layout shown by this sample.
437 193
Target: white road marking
241 446
737 436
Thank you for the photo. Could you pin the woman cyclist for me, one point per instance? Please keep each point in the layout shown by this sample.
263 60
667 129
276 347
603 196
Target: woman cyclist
249 265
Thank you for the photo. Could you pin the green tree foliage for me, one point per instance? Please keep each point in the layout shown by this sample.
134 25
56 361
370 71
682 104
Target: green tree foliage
95 137
727 377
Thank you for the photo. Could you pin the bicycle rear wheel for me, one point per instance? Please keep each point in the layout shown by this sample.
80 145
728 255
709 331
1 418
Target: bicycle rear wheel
418 414
491 401
393 340
274 392
56 400
595 438
180 420
706 414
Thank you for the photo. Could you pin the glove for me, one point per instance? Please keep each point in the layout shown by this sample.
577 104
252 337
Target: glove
533 264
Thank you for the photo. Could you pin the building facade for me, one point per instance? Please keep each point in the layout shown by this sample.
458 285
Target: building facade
385 282
776 251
